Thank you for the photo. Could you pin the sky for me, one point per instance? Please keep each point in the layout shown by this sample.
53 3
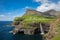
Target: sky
9 9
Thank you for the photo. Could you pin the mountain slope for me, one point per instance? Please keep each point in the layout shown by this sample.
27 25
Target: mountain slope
52 13
54 31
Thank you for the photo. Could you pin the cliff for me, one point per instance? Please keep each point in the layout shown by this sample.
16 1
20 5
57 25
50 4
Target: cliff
30 22
54 31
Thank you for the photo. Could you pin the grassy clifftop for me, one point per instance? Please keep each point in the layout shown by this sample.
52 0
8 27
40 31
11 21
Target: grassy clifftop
32 19
32 16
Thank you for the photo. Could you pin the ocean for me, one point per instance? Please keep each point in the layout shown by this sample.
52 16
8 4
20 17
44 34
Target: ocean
5 35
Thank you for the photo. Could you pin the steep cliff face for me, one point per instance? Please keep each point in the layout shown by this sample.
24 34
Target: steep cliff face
54 31
32 19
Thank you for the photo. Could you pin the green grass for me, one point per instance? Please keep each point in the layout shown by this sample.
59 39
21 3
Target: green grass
57 29
40 19
32 19
57 36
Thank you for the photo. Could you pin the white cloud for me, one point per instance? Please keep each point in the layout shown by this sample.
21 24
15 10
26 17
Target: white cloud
9 16
58 6
37 0
12 14
47 5
42 1
26 7
2 15
6 17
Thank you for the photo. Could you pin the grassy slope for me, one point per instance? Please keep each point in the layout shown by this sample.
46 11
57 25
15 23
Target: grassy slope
41 19
33 19
57 30
57 36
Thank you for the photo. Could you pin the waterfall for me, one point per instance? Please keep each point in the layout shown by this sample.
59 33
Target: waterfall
41 29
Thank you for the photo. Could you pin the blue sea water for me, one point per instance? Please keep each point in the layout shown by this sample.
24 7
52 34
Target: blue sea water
5 35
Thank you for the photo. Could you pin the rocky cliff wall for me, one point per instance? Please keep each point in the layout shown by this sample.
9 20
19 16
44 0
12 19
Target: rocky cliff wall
54 29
